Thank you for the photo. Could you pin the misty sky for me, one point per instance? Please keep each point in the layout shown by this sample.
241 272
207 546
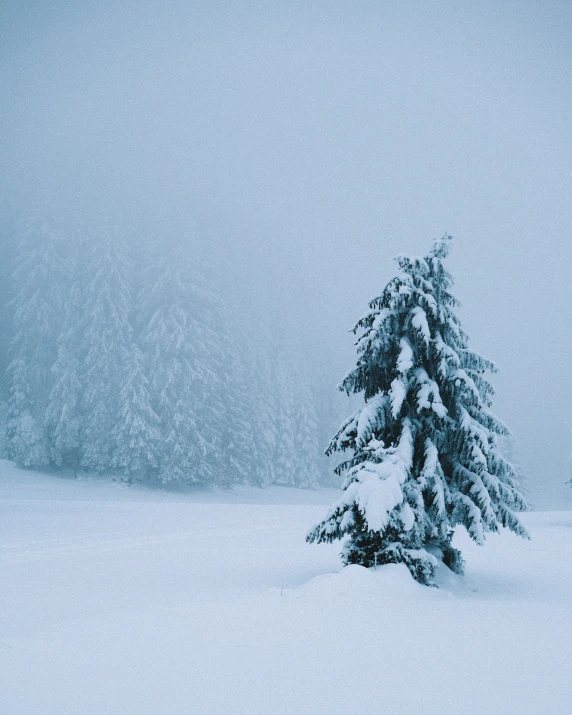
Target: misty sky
309 143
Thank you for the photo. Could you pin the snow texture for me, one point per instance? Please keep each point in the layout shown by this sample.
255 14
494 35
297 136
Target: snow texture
118 599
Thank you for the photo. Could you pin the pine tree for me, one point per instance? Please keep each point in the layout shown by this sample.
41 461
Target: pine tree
263 413
297 450
424 445
63 417
37 310
331 408
234 426
286 453
175 348
107 340
307 472
63 420
136 435
219 395
4 430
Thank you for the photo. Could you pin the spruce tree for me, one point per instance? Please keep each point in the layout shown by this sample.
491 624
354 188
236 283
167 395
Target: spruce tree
234 427
424 456
263 412
4 430
107 340
63 416
297 451
287 458
136 434
174 345
219 393
37 310
307 472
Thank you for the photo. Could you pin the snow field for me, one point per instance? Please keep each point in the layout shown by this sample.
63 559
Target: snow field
129 601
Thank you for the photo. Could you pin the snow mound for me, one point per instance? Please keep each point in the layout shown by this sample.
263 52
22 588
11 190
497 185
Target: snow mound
386 583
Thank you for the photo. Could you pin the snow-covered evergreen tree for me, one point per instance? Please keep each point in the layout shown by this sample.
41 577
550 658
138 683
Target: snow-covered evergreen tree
234 427
4 454
137 433
175 345
283 416
424 445
107 340
286 458
331 408
218 346
263 412
307 472
63 417
297 449
37 312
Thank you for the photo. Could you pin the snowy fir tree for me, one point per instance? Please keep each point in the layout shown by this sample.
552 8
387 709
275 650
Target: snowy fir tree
284 421
3 430
173 344
263 411
307 472
106 341
214 395
234 432
424 456
298 454
137 432
37 311
63 417
287 458
331 408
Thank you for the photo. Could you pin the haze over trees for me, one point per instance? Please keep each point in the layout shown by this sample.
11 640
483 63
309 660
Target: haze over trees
424 454
198 201
124 359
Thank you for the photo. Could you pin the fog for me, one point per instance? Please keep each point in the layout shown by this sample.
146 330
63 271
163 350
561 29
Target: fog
307 144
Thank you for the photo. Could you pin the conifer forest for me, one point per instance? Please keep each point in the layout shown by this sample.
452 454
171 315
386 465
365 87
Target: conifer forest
124 359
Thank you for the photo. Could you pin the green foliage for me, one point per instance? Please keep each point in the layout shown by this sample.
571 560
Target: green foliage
424 456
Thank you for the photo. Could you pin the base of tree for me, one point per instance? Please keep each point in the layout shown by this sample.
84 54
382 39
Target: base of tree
371 550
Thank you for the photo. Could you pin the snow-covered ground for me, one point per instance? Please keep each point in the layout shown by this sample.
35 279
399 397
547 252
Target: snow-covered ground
129 601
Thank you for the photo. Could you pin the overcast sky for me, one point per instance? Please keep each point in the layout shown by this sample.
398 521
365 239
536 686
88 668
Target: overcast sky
311 142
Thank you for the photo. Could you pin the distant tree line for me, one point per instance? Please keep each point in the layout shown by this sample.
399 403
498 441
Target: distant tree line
124 359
